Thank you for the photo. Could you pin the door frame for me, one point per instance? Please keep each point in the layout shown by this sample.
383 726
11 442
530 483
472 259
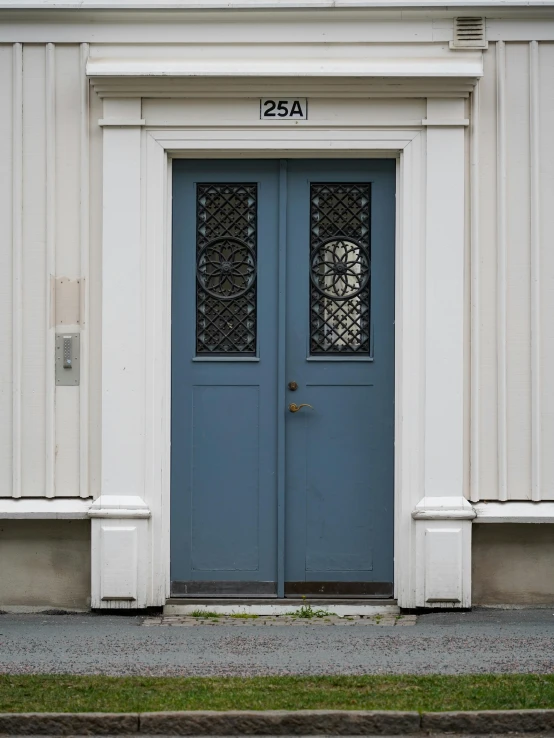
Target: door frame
432 517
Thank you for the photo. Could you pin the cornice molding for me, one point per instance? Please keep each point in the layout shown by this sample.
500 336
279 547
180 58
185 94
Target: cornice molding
468 65
414 71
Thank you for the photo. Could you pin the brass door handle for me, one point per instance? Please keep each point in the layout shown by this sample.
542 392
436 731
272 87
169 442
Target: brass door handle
294 408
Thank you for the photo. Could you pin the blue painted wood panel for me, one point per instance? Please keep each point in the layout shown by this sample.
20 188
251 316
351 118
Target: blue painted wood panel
225 476
224 409
340 455
338 493
336 461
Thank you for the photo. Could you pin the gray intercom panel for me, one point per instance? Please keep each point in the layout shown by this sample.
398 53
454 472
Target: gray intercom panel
67 359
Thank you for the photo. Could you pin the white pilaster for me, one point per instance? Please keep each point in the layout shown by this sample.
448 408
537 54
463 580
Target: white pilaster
120 517
443 517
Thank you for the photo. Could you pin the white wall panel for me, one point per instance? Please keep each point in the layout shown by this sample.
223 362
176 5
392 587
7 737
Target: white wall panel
514 333
546 254
518 275
94 327
34 273
512 272
6 294
486 436
42 136
68 74
304 28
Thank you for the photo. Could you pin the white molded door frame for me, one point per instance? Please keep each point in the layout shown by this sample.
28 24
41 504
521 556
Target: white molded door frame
130 525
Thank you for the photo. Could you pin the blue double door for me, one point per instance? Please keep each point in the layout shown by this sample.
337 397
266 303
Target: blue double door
282 444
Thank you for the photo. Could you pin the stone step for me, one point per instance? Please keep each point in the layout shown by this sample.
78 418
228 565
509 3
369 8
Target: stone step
186 606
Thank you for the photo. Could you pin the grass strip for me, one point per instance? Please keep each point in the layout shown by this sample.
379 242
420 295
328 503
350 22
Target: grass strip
60 693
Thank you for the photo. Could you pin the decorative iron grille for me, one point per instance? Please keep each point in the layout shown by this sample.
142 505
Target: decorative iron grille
226 252
340 268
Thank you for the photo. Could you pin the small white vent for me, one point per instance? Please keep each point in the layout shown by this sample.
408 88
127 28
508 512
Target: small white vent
469 33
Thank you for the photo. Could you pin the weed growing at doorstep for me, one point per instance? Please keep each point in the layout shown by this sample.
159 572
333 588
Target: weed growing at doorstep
244 615
204 614
307 611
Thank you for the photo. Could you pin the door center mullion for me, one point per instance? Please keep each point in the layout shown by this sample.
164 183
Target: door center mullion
281 378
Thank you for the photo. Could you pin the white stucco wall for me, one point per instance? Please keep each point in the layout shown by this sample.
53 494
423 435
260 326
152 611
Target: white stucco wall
45 563
513 564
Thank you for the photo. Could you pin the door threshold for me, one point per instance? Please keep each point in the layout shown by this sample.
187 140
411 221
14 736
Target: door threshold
335 606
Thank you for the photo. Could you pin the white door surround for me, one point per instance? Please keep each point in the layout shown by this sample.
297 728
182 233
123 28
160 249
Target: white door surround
130 520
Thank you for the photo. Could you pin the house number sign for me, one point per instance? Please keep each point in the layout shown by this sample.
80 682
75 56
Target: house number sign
275 109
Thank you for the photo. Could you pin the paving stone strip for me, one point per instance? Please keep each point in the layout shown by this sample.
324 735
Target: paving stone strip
280 620
278 723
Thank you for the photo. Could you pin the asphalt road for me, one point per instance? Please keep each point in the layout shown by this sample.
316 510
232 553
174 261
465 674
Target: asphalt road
447 643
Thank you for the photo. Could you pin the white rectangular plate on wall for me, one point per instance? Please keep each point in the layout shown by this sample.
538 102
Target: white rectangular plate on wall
280 109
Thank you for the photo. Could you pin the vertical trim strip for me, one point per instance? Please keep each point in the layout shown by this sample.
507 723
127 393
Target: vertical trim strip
281 380
164 408
501 231
17 268
475 342
49 309
84 217
534 145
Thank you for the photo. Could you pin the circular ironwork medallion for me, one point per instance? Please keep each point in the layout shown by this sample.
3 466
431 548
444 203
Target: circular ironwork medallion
226 268
340 268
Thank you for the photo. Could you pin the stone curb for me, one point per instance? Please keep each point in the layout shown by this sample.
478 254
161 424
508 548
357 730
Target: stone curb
62 723
488 721
281 722
277 722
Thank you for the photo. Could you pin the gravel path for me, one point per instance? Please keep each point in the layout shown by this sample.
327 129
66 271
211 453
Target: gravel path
477 642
